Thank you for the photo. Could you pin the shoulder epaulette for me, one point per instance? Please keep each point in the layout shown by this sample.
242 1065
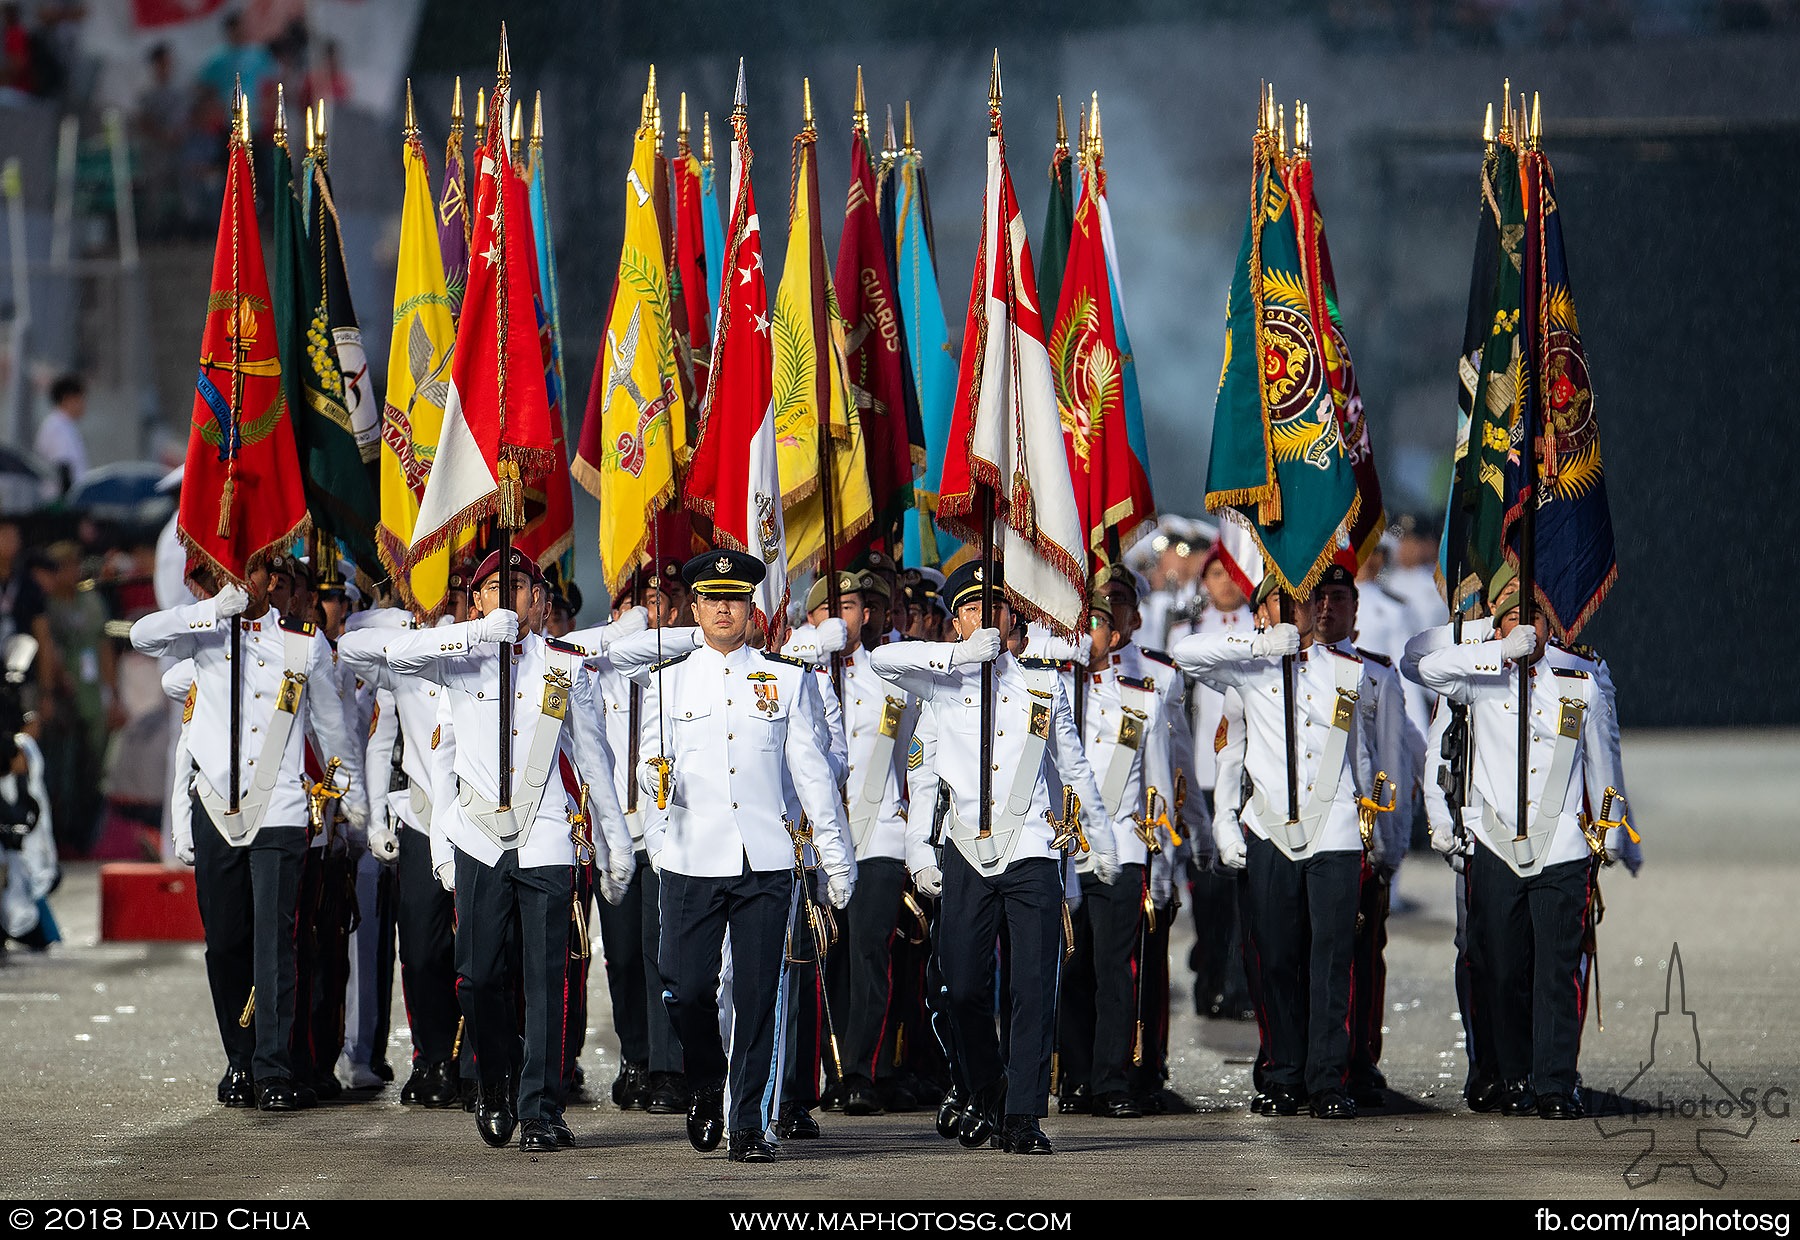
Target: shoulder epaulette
1044 665
1573 673
1157 656
302 627
671 661
774 657
1372 657
1145 683
1579 649
557 643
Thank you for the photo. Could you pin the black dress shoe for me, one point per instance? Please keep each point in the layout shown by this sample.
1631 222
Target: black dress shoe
559 1127
1561 1106
1119 1105
1077 1101
1368 1088
831 1098
383 1069
1020 1134
304 1097
747 1146
979 1121
706 1117
1279 1100
1484 1095
1258 1101
236 1089
468 1092
796 1124
409 1092
536 1137
1520 1099
631 1088
859 1097
949 1114
496 1114
1333 1104
327 1087
664 1096
896 1097
276 1094
441 1087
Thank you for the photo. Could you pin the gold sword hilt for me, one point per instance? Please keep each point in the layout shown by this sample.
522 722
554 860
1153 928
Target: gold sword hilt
324 790
1146 825
1181 794
1066 834
1368 807
664 768
1595 829
249 1012
581 829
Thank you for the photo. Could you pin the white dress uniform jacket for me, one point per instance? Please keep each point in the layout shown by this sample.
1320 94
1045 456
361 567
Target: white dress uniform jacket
950 742
1225 661
1476 675
735 727
470 674
406 708
1150 766
1206 703
195 631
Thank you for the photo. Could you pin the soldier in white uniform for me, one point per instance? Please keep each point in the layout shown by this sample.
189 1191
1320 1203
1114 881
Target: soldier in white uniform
724 726
247 869
1011 876
1528 891
398 759
1127 741
1304 875
514 864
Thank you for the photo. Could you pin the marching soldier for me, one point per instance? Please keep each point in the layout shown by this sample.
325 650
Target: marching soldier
1127 745
1009 877
1304 874
513 865
400 833
247 868
1529 884
723 726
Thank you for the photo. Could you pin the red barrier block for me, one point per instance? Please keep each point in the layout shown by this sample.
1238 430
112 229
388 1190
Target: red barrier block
142 902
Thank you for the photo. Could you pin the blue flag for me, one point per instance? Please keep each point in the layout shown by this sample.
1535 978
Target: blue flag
933 356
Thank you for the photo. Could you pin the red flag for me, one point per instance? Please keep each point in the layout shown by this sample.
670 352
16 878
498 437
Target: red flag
241 494
1090 382
733 477
549 504
693 322
497 437
877 363
1321 287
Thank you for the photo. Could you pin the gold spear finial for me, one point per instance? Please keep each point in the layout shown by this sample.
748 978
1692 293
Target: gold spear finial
503 68
281 113
518 129
994 93
456 111
1506 116
806 109
740 101
889 147
706 151
537 122
1302 130
1281 130
411 126
241 122
1537 123
656 120
1094 139
906 133
312 131
481 111
1062 129
1487 125
1083 134
859 112
681 125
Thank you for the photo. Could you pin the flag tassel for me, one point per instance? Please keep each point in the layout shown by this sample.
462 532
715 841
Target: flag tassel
225 498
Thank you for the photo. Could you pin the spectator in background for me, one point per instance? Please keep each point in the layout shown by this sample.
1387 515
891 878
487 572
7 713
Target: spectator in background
157 123
325 79
239 61
17 65
21 599
81 694
59 439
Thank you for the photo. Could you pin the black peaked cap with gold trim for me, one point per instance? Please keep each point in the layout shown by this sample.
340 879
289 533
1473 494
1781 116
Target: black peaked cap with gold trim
723 572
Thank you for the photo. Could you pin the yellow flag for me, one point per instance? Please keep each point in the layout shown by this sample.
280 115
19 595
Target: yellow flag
626 458
418 382
809 334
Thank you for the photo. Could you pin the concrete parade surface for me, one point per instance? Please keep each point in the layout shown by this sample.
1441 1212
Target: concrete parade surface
112 1057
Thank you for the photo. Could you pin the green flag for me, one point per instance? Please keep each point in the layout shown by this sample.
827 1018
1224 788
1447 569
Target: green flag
1059 224
323 367
1277 455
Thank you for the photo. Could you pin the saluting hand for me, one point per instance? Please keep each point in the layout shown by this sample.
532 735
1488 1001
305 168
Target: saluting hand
981 646
1520 642
231 600
1276 642
497 626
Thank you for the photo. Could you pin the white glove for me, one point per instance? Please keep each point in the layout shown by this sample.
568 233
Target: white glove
611 889
184 852
1161 887
647 777
231 600
838 892
929 881
1275 642
1105 866
496 626
631 620
1228 843
446 876
1444 841
356 818
384 842
832 635
620 870
1519 643
1084 649
981 646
